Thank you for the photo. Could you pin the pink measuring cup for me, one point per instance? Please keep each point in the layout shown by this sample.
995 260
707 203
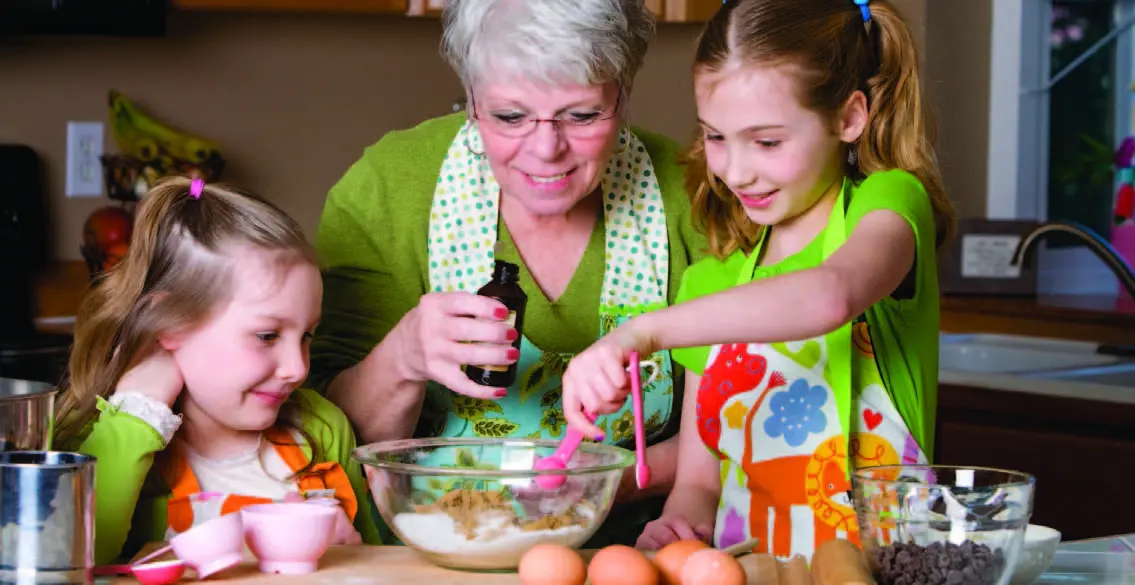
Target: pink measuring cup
572 439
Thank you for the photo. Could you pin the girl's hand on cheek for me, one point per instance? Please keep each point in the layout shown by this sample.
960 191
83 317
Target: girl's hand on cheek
156 376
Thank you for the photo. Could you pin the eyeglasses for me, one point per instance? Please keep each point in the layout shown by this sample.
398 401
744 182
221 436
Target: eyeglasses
577 124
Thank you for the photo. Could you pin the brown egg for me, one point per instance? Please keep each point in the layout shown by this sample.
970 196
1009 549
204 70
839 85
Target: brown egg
712 567
672 557
621 565
552 564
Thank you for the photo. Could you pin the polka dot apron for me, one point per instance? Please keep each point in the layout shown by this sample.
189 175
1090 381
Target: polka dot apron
783 418
462 234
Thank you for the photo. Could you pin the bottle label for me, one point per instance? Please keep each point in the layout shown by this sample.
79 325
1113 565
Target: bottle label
511 321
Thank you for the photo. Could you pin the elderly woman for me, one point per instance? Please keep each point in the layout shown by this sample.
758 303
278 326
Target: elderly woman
543 172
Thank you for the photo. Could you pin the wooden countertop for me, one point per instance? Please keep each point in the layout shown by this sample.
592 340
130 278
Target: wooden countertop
60 288
382 565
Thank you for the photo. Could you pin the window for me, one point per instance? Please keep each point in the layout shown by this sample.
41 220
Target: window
1083 125
1065 124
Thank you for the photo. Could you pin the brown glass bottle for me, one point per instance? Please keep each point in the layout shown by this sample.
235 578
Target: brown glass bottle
505 288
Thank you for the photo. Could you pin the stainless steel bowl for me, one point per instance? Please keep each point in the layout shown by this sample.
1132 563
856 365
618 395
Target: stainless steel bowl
26 412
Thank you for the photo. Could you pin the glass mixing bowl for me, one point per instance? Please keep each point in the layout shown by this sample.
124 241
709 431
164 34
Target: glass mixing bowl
474 503
939 525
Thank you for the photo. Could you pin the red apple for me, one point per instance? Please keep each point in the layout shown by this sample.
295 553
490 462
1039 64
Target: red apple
107 226
114 254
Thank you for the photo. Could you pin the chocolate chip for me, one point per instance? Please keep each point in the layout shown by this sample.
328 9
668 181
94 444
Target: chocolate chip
938 563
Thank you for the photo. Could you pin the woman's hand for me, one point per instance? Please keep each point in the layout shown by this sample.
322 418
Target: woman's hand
596 380
448 330
671 528
156 376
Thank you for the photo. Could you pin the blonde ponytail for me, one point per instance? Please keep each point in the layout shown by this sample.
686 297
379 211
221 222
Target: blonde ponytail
901 130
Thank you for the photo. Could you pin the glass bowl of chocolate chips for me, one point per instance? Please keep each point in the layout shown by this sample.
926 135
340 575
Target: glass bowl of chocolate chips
942 525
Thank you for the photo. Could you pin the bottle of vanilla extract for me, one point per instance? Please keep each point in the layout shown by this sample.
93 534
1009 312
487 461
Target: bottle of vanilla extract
504 287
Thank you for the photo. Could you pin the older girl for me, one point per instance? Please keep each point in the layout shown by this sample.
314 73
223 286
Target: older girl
813 330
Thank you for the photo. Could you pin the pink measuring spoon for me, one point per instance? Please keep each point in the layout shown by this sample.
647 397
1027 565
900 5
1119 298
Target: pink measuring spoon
559 459
642 469
573 438
159 573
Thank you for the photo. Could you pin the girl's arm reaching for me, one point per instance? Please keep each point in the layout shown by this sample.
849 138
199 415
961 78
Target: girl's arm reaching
870 265
691 508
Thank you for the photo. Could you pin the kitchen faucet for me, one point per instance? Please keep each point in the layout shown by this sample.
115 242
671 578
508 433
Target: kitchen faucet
1100 246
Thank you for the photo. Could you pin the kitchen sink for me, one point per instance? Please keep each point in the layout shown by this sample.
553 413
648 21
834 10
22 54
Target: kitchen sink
1013 354
1118 374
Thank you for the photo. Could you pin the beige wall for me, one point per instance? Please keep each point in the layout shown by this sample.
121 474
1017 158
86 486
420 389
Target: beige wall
957 77
292 99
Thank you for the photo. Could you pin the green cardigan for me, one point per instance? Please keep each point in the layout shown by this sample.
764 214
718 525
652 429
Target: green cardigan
373 238
125 446
373 242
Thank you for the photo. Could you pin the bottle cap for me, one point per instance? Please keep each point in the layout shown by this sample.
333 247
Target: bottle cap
507 271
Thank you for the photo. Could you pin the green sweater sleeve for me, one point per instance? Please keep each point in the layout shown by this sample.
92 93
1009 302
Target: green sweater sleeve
125 448
372 244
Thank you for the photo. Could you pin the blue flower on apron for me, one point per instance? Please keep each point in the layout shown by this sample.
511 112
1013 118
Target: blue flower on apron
796 412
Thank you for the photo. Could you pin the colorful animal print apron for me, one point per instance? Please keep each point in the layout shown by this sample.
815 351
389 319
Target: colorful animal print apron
784 418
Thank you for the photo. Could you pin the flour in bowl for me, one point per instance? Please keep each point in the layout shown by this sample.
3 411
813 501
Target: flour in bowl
436 532
486 525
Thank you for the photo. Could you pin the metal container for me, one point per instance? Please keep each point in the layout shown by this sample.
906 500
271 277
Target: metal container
47 517
26 412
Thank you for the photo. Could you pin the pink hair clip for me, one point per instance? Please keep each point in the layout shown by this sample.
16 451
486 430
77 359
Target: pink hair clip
196 187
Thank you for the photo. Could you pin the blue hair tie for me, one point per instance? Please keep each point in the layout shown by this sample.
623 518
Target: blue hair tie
866 10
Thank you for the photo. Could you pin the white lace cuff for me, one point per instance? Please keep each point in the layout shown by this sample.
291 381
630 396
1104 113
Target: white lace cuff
152 412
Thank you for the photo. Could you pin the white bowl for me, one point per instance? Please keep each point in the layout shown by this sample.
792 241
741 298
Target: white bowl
1036 554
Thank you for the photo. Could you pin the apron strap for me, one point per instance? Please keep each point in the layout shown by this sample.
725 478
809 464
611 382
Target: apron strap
839 342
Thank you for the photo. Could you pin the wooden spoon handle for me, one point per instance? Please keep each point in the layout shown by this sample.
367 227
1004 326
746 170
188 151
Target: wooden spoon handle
742 548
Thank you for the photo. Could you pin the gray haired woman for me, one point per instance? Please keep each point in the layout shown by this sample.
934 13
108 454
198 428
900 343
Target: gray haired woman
542 171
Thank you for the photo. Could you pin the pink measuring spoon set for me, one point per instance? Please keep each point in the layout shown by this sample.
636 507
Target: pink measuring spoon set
572 438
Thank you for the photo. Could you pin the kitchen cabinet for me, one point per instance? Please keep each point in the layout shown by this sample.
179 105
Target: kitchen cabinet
350 6
432 8
425 8
1080 451
667 10
690 10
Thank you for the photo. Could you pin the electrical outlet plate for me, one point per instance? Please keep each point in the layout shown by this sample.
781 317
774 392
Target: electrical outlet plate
84 169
